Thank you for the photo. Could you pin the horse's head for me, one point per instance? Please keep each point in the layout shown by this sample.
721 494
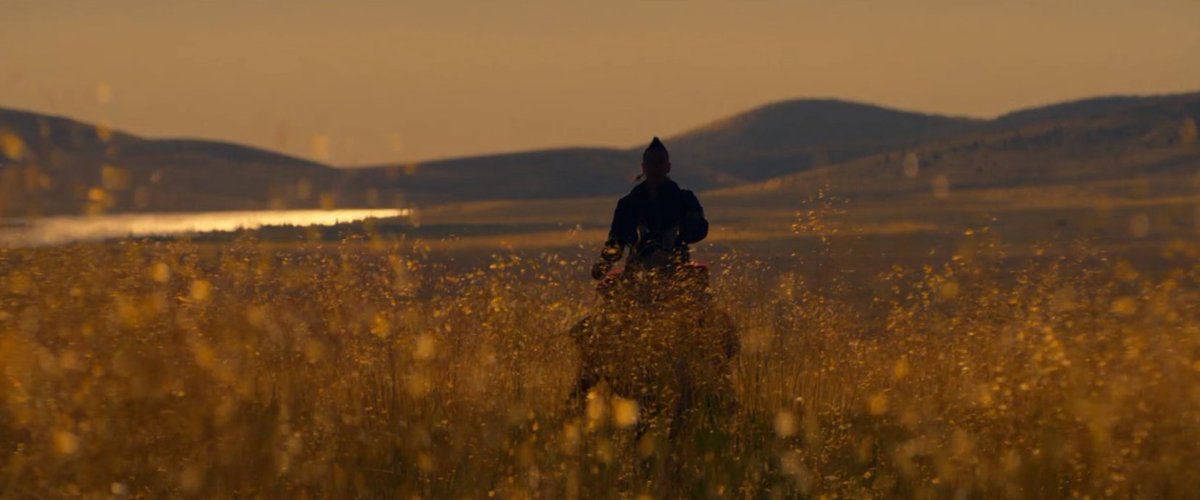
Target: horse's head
655 285
655 249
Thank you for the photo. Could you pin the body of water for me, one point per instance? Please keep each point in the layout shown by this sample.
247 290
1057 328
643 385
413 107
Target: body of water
68 228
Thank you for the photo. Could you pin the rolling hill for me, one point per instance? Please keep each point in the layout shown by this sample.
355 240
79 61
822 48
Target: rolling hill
769 156
54 165
1127 175
765 142
791 136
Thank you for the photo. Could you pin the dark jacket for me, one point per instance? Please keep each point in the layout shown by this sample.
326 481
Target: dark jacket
672 207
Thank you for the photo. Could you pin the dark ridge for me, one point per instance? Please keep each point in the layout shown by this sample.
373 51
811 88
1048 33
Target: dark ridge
792 136
557 173
1082 108
778 140
221 151
812 121
513 156
1086 108
38 130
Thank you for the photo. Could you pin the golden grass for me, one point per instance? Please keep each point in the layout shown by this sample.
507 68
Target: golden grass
365 368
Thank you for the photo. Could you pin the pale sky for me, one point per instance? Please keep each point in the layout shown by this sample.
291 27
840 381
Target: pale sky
370 81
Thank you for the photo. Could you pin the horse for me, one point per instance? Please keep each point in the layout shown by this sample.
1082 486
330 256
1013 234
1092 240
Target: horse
658 339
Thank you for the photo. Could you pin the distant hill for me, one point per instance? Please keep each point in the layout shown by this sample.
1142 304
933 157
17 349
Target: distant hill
42 135
1087 168
556 173
772 140
1082 108
776 140
54 165
1117 174
57 165
791 136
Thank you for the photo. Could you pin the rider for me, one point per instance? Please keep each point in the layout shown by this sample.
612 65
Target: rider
656 215
656 222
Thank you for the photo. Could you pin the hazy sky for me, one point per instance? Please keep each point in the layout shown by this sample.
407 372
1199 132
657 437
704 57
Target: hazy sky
367 81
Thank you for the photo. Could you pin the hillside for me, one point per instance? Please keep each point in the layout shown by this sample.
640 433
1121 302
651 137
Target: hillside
1145 138
766 157
776 140
1127 177
791 136
557 173
53 165
1124 175
1067 110
28 135
772 140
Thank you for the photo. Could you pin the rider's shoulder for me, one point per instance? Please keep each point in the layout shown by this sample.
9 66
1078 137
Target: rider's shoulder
638 191
688 195
679 190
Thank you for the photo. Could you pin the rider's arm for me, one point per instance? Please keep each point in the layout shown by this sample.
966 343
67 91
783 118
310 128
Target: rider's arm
623 232
693 227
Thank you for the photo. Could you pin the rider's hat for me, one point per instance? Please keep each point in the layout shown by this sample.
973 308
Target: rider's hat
655 152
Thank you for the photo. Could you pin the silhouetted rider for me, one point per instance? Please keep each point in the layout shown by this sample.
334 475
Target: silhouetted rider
656 221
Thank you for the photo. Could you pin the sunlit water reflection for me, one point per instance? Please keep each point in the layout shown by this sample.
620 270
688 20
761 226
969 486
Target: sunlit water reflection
65 229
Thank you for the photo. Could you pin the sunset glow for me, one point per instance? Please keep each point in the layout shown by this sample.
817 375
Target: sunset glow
362 82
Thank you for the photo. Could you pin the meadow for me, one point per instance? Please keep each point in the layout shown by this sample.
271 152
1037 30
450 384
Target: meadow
375 366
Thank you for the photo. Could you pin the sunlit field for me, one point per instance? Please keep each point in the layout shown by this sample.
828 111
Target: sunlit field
377 250
376 367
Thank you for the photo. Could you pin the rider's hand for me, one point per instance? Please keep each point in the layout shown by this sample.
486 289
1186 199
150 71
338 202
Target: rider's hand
600 269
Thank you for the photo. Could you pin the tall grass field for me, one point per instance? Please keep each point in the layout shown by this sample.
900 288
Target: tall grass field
376 368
